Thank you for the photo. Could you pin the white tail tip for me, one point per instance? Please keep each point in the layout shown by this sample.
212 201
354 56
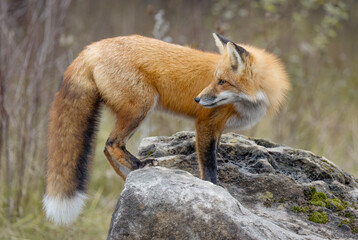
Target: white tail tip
63 211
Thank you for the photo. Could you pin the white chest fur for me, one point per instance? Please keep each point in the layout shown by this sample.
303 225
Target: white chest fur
249 111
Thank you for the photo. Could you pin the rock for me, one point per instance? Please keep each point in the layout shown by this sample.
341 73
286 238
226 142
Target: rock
161 203
281 188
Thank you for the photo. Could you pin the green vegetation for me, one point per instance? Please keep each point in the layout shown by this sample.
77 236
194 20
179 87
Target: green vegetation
351 223
149 153
349 215
335 204
320 199
299 209
318 217
316 199
350 220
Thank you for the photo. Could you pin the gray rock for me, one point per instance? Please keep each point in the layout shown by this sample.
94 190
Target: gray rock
274 183
161 203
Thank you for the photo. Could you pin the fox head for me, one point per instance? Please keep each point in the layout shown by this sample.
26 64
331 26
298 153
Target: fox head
232 78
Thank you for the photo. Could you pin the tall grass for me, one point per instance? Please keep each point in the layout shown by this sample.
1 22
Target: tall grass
29 55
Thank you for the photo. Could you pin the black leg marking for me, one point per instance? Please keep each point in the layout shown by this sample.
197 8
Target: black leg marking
109 142
209 163
135 162
149 162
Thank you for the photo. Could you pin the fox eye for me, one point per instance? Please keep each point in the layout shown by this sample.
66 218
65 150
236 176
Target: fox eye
221 82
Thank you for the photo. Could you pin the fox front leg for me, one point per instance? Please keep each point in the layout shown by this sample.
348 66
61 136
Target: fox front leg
206 146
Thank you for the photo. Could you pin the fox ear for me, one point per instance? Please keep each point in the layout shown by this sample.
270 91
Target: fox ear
236 54
220 42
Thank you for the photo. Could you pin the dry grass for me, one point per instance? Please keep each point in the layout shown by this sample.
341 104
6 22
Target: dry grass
29 32
38 39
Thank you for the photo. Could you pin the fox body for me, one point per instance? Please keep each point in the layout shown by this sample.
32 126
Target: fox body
133 75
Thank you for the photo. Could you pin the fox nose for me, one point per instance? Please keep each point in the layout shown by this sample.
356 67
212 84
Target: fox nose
197 99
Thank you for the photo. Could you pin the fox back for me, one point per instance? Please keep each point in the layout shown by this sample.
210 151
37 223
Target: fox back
132 76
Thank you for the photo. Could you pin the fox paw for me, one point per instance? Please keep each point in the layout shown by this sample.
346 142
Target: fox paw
223 186
149 163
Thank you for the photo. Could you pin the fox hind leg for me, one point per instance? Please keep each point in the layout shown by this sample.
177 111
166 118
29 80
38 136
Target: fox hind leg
128 120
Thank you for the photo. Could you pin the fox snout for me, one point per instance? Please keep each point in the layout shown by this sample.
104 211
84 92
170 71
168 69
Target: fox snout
206 100
209 99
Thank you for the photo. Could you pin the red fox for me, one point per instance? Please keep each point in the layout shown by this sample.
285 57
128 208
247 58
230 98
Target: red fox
133 75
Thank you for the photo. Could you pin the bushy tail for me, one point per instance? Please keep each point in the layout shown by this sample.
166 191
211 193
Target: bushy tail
71 133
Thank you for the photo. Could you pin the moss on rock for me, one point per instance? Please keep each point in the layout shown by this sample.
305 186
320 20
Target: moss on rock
351 223
299 209
320 199
334 204
319 217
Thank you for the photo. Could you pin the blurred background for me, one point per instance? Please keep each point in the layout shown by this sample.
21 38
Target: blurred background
316 39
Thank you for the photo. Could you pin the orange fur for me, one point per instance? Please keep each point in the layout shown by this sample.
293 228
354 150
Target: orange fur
133 74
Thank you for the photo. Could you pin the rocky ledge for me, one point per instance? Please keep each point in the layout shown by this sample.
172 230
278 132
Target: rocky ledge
269 191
